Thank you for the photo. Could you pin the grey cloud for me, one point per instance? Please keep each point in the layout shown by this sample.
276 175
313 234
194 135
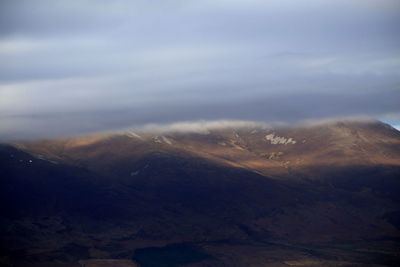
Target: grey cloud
289 109
73 67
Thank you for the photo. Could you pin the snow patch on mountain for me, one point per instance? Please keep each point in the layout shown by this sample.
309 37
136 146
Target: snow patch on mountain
134 135
162 139
156 139
166 140
279 140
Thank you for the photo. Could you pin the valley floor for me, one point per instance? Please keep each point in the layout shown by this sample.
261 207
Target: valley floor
228 253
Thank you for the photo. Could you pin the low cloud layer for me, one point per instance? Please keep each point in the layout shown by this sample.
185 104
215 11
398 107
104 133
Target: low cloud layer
202 127
74 67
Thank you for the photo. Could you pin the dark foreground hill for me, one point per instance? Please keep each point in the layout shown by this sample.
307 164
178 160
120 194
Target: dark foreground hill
319 195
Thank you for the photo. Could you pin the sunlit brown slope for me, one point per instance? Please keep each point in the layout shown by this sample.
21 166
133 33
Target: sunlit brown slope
272 152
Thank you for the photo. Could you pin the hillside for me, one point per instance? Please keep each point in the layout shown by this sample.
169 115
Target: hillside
259 148
318 194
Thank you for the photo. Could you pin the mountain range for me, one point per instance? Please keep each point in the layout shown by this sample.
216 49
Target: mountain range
322 194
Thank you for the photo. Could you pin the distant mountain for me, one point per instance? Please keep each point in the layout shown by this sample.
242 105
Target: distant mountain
261 149
307 193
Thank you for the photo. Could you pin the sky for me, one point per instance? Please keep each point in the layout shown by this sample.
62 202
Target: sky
74 67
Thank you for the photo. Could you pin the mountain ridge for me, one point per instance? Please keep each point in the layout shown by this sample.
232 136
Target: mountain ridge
261 149
251 188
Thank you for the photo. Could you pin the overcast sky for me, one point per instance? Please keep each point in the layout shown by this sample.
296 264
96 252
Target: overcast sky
71 67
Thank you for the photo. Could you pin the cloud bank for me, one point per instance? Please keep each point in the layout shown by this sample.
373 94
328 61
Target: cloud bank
73 67
202 127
